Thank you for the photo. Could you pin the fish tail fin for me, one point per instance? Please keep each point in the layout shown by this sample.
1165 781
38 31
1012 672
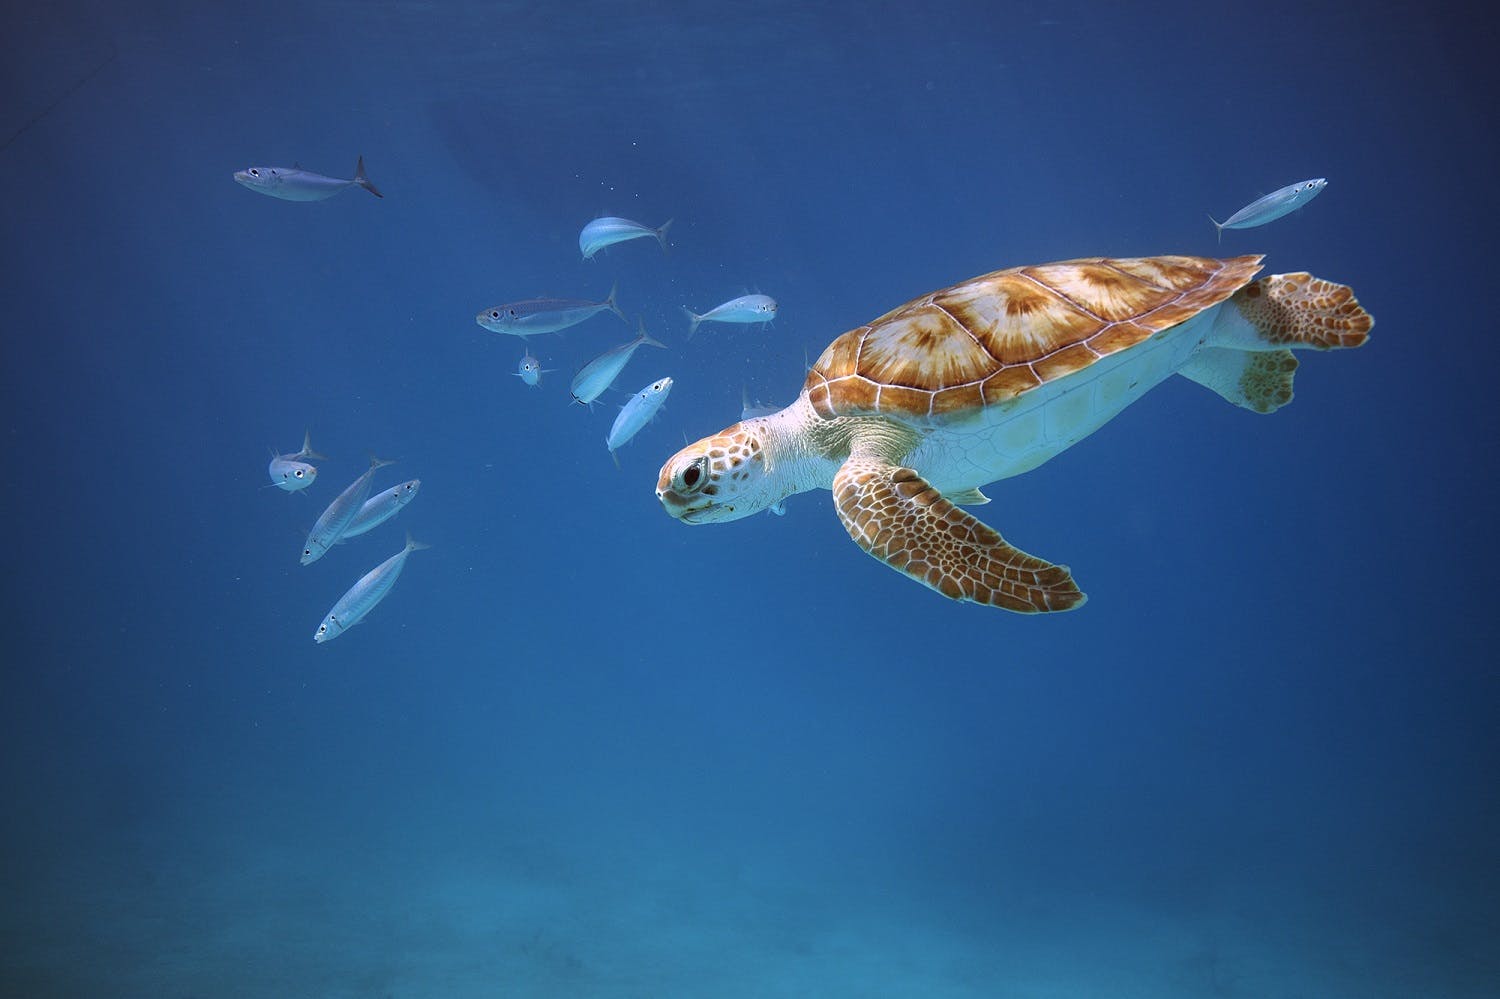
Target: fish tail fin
413 545
693 320
615 455
380 462
646 338
362 180
1219 226
307 448
661 233
614 306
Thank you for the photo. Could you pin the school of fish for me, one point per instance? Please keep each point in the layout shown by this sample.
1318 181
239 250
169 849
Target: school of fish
359 509
355 511
532 317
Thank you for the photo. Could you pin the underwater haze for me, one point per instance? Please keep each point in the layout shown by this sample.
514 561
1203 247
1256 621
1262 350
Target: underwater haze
584 750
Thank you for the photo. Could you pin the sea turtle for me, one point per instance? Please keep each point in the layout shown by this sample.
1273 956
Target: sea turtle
906 417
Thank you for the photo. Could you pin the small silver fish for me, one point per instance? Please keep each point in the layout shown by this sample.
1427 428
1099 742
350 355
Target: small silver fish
290 472
530 370
335 520
545 315
600 373
296 184
640 410
361 598
379 509
750 410
745 309
1272 206
609 230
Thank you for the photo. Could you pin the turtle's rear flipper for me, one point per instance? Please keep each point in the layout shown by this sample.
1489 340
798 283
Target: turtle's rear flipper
893 514
1257 380
1292 310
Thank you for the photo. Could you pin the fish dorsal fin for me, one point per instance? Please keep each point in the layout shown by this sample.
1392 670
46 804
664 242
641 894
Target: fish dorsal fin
296 165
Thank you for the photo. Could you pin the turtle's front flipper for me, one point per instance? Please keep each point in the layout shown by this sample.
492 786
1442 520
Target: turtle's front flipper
893 514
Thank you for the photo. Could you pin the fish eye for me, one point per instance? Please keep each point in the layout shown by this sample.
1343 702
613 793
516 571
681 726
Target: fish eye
307 551
299 473
322 628
254 172
494 313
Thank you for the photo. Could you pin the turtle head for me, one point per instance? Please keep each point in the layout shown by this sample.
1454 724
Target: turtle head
723 477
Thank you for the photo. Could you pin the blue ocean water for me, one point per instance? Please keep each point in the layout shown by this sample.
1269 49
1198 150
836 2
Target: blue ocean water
584 750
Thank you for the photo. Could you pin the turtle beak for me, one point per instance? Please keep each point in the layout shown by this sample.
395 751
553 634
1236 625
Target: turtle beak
676 507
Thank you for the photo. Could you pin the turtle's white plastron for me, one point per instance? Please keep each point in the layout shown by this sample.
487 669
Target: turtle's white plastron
905 418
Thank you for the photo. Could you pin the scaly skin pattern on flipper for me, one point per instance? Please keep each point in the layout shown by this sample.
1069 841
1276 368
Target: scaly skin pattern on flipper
1299 310
894 515
1267 381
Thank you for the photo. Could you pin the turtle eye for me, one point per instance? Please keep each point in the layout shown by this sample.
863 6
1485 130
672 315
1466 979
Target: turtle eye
691 478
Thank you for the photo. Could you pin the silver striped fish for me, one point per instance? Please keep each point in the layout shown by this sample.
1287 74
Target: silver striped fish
289 471
361 598
1272 206
600 373
545 315
296 184
610 230
335 520
379 509
640 410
